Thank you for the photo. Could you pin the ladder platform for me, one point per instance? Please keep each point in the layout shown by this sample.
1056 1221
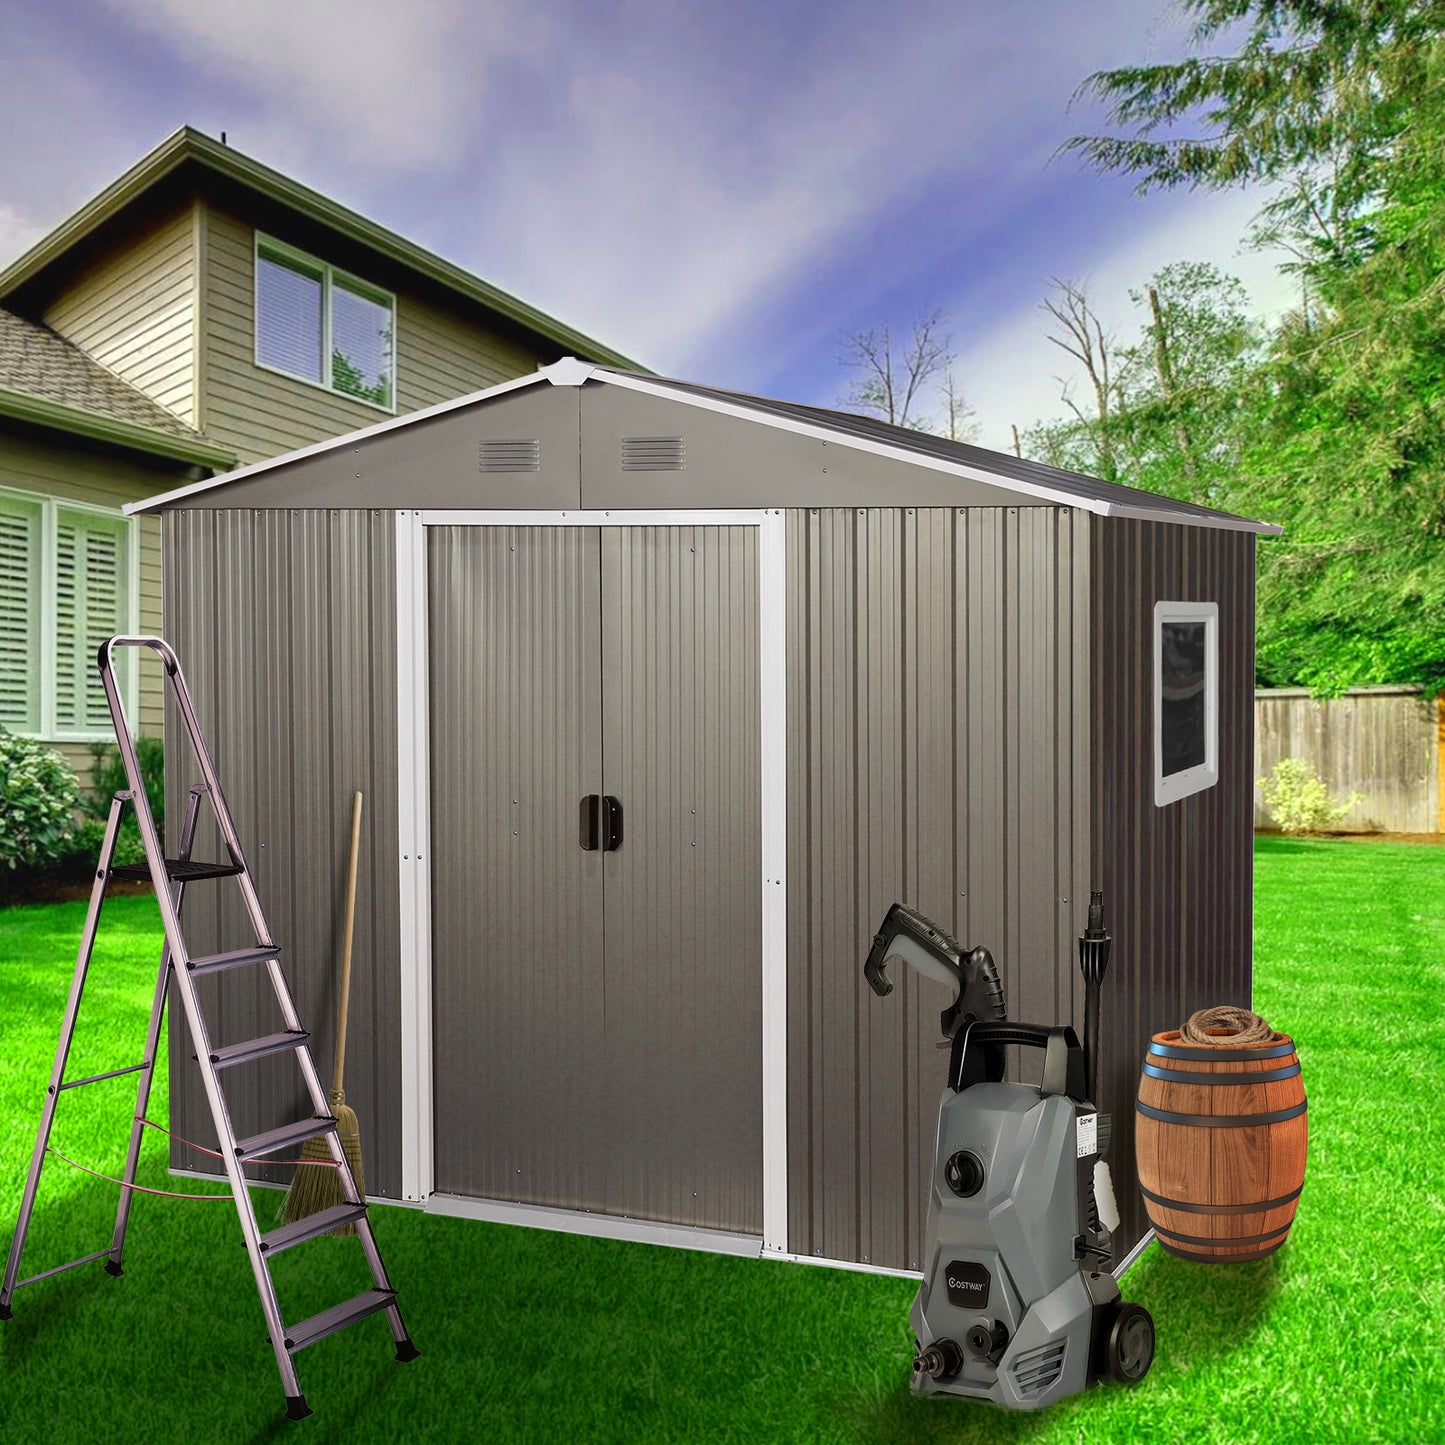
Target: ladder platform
215 962
179 870
337 1318
242 1053
314 1225
286 1135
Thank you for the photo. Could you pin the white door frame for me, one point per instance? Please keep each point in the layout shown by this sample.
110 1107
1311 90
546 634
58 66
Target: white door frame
414 823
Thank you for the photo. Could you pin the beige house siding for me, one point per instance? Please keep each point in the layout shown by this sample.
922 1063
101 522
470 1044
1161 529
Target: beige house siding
440 356
134 310
56 468
262 414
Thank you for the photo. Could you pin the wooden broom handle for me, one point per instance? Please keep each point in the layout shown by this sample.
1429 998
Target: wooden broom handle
346 940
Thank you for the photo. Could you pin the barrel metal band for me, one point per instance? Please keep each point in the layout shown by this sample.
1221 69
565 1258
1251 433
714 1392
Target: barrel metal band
1222 1243
1180 1076
1221 1121
1259 1252
1174 1051
1186 1208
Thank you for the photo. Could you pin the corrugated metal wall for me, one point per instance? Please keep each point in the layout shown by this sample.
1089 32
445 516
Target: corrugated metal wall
598 1015
516 740
938 734
681 750
1178 880
285 626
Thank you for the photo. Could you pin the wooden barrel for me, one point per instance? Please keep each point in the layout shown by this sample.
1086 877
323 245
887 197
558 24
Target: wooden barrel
1220 1140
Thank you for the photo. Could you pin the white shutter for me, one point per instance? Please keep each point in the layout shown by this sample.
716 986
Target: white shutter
92 603
20 533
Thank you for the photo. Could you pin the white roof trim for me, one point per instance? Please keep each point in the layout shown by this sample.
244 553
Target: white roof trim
862 444
150 504
1163 514
568 371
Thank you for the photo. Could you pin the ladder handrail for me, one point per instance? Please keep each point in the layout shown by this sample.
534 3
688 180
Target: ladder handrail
220 808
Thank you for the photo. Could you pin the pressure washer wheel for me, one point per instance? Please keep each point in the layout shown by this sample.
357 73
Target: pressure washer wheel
1131 1344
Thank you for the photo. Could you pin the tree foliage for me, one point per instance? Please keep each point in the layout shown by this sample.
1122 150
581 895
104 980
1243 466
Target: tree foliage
1166 402
1313 99
1336 429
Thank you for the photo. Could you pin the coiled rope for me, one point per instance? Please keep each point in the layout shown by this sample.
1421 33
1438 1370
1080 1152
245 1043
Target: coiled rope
1239 1026
167 1193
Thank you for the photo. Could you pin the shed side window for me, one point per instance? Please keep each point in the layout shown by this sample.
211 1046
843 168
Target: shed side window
318 324
1186 699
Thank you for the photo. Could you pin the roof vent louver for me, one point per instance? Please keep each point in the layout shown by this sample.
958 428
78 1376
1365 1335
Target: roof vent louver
653 454
509 455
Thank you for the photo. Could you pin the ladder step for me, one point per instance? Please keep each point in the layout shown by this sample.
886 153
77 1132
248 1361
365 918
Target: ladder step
286 1135
215 962
314 1225
242 1053
180 870
337 1318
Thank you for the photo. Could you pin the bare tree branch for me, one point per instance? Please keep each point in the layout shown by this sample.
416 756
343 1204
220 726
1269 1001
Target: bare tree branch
889 386
1084 338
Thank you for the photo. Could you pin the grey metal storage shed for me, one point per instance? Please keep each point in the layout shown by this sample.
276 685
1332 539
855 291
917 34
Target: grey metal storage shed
821 664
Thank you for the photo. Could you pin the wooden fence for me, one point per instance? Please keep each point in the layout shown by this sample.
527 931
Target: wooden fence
1385 743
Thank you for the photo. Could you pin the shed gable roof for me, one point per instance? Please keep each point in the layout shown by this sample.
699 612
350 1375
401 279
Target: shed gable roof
1030 481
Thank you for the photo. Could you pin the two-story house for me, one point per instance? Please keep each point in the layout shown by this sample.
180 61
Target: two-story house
201 313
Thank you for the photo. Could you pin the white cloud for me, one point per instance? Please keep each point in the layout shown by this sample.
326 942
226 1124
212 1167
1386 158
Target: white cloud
669 210
381 84
1009 373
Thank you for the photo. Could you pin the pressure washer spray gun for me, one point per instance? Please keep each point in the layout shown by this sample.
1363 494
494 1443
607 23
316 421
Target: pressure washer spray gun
909 936
1017 1304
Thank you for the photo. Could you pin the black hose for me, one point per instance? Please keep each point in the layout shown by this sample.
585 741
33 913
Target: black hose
1094 946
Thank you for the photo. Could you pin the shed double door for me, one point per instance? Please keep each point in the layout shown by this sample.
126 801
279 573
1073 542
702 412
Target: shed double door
597 1031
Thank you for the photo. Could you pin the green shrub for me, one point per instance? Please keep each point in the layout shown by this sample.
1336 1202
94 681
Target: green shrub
75 863
38 794
1298 800
108 778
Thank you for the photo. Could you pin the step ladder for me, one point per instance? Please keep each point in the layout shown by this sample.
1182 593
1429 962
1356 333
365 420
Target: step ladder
170 877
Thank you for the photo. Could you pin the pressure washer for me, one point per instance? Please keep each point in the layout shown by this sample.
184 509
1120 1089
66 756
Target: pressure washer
1017 1303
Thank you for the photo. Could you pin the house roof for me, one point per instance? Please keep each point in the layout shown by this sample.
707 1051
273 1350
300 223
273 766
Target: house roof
190 147
49 381
1032 480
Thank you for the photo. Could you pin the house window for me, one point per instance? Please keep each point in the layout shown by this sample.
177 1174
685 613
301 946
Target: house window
67 583
318 324
1186 699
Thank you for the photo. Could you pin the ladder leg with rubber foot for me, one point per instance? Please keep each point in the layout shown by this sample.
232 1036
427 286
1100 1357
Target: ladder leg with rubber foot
170 877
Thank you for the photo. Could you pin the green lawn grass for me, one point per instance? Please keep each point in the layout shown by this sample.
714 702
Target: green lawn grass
527 1335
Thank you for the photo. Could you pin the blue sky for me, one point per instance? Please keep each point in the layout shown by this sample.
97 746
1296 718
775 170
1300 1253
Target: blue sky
725 192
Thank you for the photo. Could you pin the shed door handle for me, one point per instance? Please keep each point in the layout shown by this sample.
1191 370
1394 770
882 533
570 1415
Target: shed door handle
587 822
611 823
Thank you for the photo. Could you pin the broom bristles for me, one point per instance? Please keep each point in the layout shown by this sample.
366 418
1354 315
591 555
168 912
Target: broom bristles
317 1186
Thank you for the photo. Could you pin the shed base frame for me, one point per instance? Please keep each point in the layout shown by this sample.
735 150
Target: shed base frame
638 1231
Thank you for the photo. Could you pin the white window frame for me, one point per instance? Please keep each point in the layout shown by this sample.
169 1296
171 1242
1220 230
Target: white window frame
50 509
1175 786
303 260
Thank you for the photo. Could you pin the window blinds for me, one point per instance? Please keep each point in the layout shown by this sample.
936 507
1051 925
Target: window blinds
288 318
